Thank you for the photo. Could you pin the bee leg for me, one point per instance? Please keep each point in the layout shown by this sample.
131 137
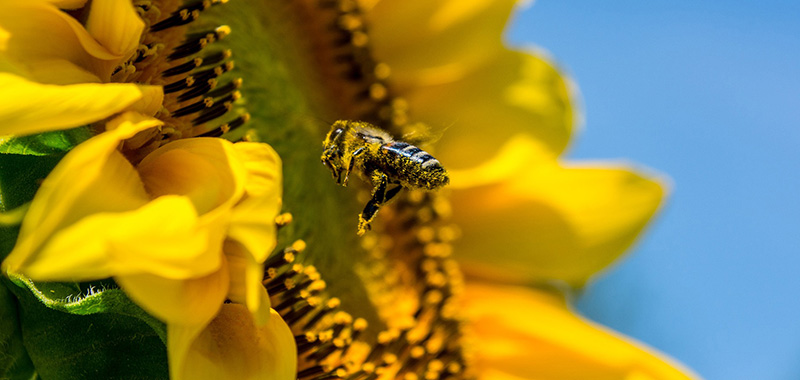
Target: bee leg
380 181
391 193
355 154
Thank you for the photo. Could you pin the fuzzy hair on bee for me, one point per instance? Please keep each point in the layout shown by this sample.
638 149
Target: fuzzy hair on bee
389 165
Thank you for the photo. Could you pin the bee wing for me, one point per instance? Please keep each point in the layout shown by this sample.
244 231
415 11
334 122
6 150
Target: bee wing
422 134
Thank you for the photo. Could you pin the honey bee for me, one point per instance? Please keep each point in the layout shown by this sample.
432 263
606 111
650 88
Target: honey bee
377 157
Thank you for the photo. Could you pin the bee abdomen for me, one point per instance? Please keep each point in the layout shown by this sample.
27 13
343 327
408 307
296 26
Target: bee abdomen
409 151
414 167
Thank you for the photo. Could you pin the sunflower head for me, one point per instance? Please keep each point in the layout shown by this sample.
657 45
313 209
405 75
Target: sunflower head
200 204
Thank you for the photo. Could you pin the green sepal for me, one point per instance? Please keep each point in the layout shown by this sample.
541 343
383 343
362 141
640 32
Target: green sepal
14 360
79 331
45 144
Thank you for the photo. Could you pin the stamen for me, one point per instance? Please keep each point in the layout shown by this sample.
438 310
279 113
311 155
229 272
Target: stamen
227 88
214 112
182 68
195 43
194 107
196 91
283 219
312 371
282 287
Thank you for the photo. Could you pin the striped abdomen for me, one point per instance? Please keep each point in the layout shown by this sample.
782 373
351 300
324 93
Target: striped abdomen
412 166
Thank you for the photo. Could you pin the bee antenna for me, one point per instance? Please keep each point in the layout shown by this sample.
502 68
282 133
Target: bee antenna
320 120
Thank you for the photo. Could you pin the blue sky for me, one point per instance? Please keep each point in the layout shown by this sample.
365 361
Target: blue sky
707 92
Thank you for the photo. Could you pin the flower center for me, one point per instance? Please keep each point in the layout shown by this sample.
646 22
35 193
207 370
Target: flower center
199 98
422 344
308 60
408 273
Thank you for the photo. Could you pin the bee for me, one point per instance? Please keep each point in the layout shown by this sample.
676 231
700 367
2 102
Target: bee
388 164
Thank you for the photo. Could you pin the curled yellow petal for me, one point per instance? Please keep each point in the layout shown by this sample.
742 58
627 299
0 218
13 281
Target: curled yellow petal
158 238
93 178
28 107
206 170
68 4
253 219
233 347
65 40
512 93
189 301
527 334
151 102
116 25
246 281
532 218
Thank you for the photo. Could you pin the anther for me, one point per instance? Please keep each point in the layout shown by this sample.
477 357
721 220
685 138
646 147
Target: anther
299 245
212 113
194 107
306 338
179 85
309 285
338 373
359 326
198 41
359 39
341 319
297 314
287 285
283 219
326 350
215 58
377 91
199 90
295 269
382 71
225 128
182 68
385 338
226 88
330 306
181 17
214 71
287 257
311 371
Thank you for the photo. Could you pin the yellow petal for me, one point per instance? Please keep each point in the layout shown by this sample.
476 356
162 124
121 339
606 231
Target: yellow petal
64 39
92 178
206 170
426 42
68 4
193 301
526 334
246 276
512 93
253 220
116 25
158 238
56 71
4 37
27 107
233 347
151 102
528 217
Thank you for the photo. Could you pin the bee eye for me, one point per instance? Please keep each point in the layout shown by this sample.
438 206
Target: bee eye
336 133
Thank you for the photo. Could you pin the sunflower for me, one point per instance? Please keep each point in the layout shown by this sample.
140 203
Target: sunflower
188 205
